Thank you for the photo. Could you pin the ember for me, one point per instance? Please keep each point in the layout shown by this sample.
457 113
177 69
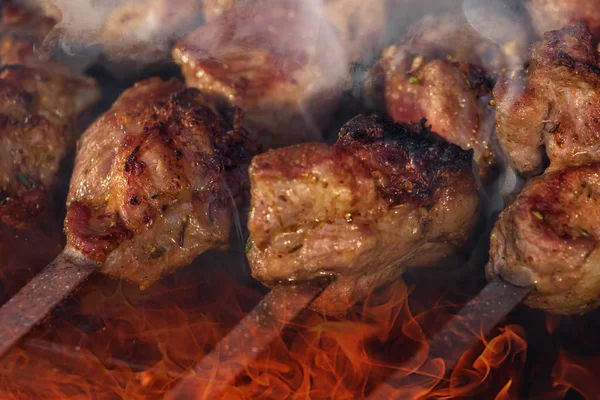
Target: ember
114 341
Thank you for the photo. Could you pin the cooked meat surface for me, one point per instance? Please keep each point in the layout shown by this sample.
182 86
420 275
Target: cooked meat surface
363 209
549 236
155 182
39 105
281 63
553 108
453 96
555 14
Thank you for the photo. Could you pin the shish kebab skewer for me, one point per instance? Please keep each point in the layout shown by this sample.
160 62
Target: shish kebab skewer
153 187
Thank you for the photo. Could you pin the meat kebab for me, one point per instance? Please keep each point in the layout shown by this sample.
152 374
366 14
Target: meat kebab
281 63
40 102
384 198
446 81
156 180
548 236
552 110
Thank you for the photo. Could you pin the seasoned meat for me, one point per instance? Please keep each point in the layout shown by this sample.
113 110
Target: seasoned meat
549 236
453 96
281 63
553 108
555 14
384 196
155 182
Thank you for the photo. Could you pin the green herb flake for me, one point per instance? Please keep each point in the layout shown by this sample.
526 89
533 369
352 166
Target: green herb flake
413 80
248 246
157 252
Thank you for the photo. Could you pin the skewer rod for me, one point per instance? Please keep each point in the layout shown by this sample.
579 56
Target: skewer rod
39 297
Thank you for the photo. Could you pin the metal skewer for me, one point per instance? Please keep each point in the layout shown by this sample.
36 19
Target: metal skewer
247 340
476 319
41 295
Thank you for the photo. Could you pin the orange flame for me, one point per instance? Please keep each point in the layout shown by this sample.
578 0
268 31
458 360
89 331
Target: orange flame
114 342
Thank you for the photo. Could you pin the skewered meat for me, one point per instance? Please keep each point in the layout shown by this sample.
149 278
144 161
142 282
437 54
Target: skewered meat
555 14
155 181
281 63
385 197
549 237
417 80
552 108
39 106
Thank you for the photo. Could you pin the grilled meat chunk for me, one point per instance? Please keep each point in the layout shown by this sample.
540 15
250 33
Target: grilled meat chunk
555 14
453 96
155 182
384 196
281 63
549 236
553 108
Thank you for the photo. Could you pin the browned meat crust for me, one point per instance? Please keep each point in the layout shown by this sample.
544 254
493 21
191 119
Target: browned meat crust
361 210
263 58
549 236
555 14
553 108
453 96
155 181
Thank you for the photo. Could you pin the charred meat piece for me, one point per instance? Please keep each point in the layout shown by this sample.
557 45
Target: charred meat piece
553 108
385 197
549 236
281 63
155 182
453 96
555 14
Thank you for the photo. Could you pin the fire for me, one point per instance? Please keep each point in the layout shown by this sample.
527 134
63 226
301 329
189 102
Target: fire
113 341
